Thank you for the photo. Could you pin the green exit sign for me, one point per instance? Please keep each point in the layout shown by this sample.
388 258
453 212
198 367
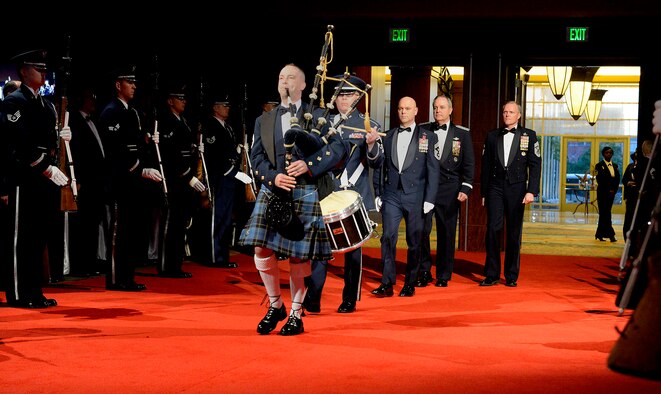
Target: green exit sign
400 35
577 34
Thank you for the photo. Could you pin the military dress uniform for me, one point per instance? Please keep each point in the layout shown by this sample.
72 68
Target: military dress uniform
176 144
223 160
125 147
353 175
457 167
403 195
504 183
29 125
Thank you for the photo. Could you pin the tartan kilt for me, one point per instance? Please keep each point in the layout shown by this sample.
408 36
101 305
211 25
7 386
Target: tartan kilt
315 245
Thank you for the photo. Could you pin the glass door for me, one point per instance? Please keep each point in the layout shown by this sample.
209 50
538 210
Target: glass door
582 154
579 192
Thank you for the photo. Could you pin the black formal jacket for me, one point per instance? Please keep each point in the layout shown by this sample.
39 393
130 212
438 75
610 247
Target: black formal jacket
525 162
607 184
457 160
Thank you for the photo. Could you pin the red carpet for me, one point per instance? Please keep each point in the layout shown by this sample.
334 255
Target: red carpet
551 334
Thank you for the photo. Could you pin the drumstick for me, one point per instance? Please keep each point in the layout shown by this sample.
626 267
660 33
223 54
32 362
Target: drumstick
361 130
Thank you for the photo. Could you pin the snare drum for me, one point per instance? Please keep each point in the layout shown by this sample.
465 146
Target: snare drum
346 220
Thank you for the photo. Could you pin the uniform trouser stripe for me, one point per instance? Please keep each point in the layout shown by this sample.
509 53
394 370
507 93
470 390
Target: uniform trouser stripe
213 229
15 246
113 270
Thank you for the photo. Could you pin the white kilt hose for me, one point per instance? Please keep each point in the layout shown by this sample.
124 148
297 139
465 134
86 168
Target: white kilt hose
315 244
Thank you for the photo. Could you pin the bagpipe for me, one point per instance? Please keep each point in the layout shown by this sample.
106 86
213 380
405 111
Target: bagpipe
313 135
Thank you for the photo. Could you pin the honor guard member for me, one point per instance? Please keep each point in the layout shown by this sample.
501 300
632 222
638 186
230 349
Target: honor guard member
364 150
176 143
454 152
221 151
29 126
511 171
121 122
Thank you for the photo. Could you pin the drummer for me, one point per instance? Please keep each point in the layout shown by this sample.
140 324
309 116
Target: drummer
364 149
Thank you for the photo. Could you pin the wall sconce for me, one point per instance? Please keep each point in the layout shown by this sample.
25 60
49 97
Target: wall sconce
593 108
558 78
578 92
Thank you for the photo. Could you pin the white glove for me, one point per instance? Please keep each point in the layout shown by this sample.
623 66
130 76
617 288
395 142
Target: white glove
65 133
427 207
378 203
155 137
197 185
656 118
152 173
54 174
243 177
201 147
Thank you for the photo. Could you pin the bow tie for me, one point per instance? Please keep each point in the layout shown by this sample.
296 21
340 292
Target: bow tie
505 131
440 127
403 129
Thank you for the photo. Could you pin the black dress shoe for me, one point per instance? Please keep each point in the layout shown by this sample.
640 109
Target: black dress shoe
613 239
126 287
489 281
441 283
175 274
312 307
294 326
347 307
30 304
271 319
424 279
48 301
384 290
510 283
407 291
600 238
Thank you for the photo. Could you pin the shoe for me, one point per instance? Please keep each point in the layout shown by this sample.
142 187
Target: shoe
600 238
224 264
383 291
613 239
407 291
294 326
489 281
347 307
126 287
424 279
271 319
312 307
30 304
510 283
48 301
441 283
176 274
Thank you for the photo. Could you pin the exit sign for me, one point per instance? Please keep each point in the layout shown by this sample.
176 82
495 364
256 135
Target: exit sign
577 34
400 35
